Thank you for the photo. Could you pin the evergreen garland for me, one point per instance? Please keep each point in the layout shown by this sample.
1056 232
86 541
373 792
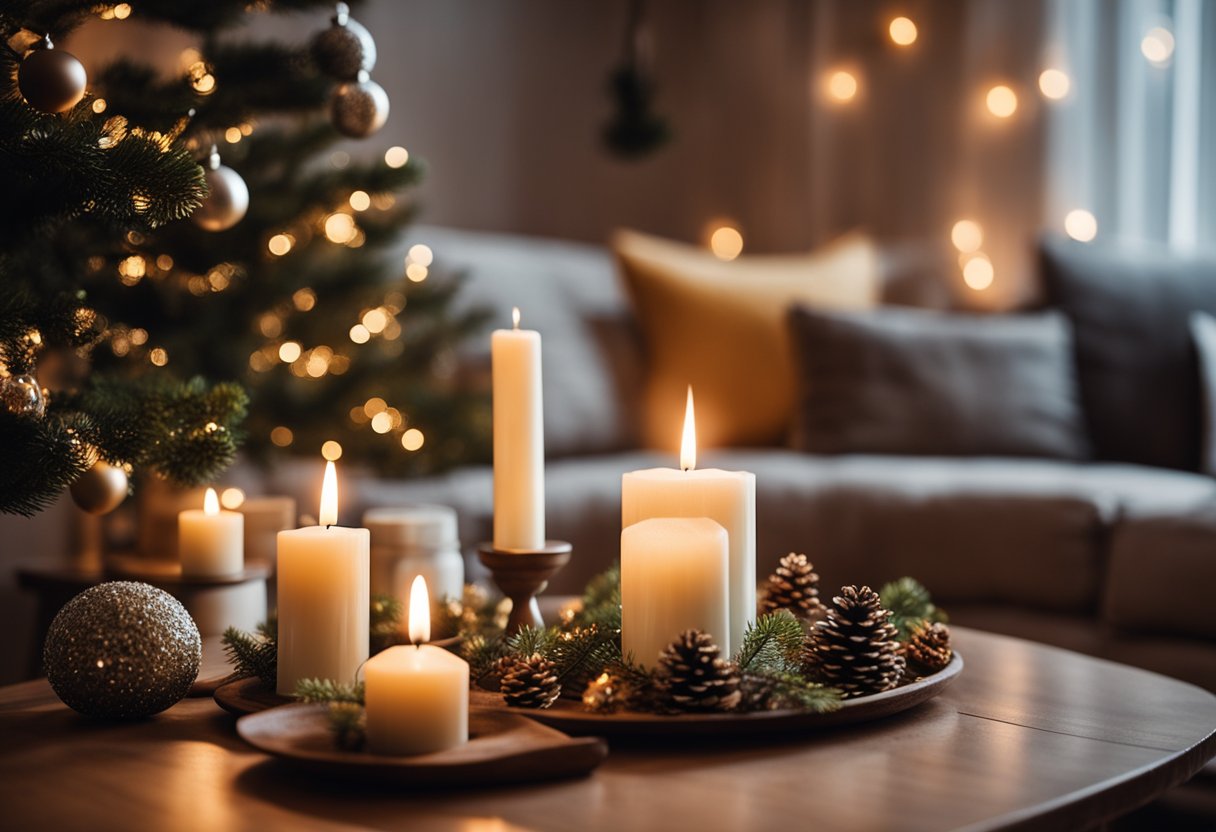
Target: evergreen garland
910 606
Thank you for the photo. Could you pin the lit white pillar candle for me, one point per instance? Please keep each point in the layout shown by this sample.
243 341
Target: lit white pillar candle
674 575
323 574
416 696
210 542
727 497
519 441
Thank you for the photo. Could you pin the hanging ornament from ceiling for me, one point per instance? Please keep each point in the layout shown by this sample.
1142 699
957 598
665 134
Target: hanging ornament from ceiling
227 198
50 79
346 52
635 130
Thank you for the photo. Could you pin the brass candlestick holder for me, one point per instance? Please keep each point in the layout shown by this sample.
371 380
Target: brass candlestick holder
522 574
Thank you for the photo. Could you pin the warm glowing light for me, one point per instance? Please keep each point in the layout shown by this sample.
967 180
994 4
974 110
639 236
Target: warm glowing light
375 320
1081 225
331 450
233 135
339 159
967 235
159 357
412 439
374 405
360 201
164 262
688 442
304 299
139 336
280 244
841 85
1158 45
902 31
232 498
340 228
515 317
211 503
416 272
204 83
328 515
99 105
382 422
282 436
1002 101
396 157
420 612
122 11
726 242
978 273
360 334
289 351
421 254
1054 83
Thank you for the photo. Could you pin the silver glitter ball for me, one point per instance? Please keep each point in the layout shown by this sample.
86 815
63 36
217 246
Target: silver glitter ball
122 650
358 108
345 49
22 396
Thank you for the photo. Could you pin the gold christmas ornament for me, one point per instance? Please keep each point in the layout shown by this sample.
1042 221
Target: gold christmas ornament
122 650
358 108
50 79
346 48
101 489
227 198
22 396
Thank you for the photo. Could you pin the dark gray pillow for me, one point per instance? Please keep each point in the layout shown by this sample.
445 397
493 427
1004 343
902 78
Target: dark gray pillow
1203 333
909 381
1136 366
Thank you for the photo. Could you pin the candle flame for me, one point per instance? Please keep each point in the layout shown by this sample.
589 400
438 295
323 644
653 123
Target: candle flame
688 445
211 503
420 612
329 496
515 316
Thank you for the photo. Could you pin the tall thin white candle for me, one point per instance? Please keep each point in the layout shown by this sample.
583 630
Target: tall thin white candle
323 577
519 442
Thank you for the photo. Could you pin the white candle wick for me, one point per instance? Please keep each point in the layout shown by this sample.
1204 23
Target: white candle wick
515 316
211 503
329 497
420 612
688 445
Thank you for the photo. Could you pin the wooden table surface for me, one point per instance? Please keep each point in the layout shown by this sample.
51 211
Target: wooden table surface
1027 736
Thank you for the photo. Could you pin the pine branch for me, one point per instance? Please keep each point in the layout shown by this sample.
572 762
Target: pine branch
482 654
386 613
251 655
531 640
328 690
601 604
581 655
910 605
785 689
772 644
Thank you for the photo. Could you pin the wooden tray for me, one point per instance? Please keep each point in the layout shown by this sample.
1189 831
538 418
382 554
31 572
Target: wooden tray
248 696
570 716
502 748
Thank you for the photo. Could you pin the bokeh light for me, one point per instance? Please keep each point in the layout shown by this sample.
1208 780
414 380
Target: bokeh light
726 242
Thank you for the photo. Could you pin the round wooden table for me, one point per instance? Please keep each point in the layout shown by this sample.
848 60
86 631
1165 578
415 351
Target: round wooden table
1027 736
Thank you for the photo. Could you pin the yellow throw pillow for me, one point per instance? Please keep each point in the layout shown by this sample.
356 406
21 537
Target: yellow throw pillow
721 327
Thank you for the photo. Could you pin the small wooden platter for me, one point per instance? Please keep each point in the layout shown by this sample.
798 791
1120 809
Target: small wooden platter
570 717
502 748
249 696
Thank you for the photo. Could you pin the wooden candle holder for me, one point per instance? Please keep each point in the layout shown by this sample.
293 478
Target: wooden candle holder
522 574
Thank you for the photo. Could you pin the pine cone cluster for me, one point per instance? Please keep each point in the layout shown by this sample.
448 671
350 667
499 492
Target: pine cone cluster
855 647
794 587
695 675
530 682
928 648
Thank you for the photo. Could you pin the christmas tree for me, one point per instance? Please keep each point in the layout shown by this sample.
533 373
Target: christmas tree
134 247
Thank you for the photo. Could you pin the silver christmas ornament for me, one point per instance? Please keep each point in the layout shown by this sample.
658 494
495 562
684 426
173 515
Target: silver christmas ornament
22 396
227 200
358 108
122 650
344 49
101 489
50 79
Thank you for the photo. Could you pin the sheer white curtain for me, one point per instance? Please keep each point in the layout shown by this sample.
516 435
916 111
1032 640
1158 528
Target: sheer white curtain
1134 142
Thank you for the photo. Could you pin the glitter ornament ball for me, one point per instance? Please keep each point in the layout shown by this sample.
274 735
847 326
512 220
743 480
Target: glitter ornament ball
122 650
344 49
227 198
358 108
50 79
22 396
101 489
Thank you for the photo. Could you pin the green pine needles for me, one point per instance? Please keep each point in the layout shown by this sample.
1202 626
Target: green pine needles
910 605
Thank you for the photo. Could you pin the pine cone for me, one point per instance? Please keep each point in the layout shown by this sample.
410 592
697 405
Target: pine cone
855 647
530 682
696 677
928 648
758 693
794 587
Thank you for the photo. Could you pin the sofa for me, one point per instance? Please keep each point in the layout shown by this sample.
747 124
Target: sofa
1111 558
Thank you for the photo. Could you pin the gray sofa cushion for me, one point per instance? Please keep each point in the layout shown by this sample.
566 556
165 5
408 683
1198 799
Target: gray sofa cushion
1203 334
1136 365
909 381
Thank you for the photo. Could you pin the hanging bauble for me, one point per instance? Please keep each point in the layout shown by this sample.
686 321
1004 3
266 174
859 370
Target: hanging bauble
50 79
101 489
22 396
358 108
122 650
344 49
227 199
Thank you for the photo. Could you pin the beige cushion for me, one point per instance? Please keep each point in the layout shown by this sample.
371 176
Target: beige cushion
720 326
